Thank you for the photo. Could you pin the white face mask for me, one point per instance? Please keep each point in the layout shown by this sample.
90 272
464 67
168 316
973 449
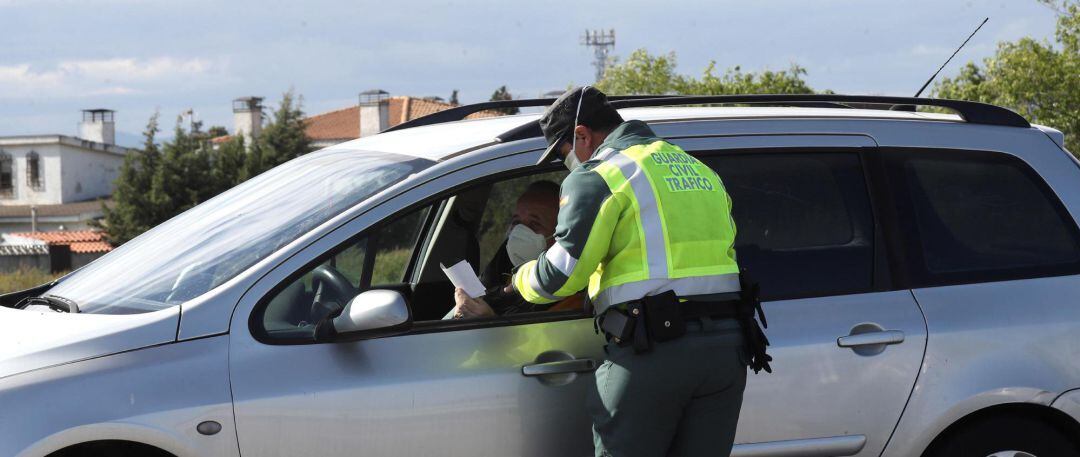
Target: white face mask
523 244
571 161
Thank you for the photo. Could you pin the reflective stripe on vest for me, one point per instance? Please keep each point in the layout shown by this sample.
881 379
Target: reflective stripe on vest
648 214
695 285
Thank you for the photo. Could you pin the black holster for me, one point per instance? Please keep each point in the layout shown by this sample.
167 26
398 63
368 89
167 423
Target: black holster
754 336
626 327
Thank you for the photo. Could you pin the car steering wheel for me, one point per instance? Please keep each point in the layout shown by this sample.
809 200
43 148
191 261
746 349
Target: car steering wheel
335 286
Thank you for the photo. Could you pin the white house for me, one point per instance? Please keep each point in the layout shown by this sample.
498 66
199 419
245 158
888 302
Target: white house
53 182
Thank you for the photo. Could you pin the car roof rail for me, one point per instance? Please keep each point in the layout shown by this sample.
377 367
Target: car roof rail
461 112
970 112
458 113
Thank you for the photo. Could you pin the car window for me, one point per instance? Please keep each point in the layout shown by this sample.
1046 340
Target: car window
379 258
474 228
211 243
499 209
981 216
803 221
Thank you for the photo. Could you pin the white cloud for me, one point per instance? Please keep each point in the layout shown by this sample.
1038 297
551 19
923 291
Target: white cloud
83 78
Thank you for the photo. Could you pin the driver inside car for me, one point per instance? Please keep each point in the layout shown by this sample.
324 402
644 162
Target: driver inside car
532 230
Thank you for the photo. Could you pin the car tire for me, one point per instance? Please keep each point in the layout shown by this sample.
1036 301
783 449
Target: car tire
1006 436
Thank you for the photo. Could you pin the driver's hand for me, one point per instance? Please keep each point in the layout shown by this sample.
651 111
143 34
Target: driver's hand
467 307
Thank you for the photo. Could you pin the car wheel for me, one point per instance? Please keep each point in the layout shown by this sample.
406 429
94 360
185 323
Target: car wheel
1006 436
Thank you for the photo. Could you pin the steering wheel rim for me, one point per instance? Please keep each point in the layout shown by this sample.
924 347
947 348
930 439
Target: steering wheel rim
336 282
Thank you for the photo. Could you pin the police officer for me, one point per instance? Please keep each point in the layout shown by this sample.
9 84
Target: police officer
648 229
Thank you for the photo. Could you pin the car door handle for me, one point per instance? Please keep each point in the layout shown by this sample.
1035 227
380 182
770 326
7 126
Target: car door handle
559 367
871 339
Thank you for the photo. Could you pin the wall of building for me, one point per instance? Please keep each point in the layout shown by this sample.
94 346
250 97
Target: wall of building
10 263
44 225
86 173
23 194
80 260
25 262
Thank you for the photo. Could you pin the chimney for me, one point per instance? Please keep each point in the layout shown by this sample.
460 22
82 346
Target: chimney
98 125
247 118
374 111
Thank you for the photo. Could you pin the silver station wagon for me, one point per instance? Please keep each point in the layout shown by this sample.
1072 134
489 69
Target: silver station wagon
921 272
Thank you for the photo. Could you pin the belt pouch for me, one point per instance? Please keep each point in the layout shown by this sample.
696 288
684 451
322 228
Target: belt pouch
616 323
664 317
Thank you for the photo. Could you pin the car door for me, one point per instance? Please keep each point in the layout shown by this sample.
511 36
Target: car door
847 348
496 386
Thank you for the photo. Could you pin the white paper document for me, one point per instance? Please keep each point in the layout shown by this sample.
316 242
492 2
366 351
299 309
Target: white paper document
462 275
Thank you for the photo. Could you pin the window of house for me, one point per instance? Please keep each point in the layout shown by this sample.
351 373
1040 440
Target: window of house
804 226
33 171
977 216
7 176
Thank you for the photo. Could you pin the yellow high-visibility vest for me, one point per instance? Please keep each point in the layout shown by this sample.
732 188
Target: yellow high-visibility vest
639 218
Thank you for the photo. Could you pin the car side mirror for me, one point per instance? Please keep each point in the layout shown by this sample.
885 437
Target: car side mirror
372 313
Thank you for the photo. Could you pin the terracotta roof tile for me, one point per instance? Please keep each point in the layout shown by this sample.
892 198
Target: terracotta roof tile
344 124
80 241
63 236
91 247
334 125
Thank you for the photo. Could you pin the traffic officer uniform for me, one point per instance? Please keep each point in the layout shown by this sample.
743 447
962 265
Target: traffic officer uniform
642 223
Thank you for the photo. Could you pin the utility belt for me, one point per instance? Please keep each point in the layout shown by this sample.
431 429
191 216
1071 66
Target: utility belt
662 317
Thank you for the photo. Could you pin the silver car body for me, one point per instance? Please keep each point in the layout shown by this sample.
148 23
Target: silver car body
156 376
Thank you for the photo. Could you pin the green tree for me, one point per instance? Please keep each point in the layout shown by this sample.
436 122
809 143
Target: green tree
283 139
503 94
227 164
129 215
182 179
216 130
644 73
1038 79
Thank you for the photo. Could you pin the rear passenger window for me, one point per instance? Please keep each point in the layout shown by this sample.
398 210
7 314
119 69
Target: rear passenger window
803 221
980 216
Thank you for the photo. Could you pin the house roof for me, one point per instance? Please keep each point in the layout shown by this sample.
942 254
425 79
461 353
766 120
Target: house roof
91 247
65 209
51 139
81 241
344 124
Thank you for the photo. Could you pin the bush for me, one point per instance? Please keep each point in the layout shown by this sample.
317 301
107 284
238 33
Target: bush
24 278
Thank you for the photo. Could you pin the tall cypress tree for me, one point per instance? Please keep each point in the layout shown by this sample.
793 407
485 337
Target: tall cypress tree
129 215
502 93
283 139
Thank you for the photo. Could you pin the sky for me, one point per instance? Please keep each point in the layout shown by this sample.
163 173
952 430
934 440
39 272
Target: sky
140 56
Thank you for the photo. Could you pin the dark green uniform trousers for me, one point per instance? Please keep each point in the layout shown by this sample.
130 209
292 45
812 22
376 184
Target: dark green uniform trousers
682 398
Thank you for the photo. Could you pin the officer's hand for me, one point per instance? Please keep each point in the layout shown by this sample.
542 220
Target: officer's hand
467 307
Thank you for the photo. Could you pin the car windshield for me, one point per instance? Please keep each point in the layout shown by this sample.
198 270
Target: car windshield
209 244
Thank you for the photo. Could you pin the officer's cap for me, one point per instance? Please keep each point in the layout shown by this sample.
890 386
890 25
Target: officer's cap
557 123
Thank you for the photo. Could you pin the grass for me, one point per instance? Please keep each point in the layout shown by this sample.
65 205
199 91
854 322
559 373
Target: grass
24 278
390 266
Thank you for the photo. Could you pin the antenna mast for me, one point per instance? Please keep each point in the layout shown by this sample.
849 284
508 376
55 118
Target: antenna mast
602 43
921 89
